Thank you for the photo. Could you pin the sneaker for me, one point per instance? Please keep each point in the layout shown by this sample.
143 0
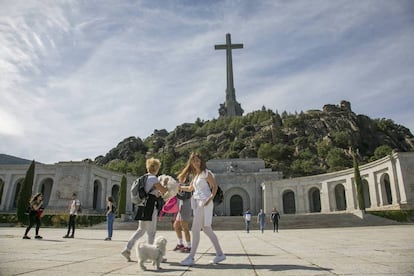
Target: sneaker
185 249
65 236
26 237
107 239
189 261
38 237
127 254
218 259
178 247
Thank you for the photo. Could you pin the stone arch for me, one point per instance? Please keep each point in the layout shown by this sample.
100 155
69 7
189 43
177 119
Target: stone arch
16 192
233 198
236 205
340 197
289 204
386 189
314 196
365 190
46 189
115 193
1 190
97 195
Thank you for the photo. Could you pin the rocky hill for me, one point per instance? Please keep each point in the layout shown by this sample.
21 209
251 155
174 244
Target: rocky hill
306 143
13 160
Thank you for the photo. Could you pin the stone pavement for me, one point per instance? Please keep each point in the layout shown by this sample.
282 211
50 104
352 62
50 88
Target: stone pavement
373 250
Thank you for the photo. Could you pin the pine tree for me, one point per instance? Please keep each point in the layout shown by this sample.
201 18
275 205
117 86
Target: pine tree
25 194
122 197
358 182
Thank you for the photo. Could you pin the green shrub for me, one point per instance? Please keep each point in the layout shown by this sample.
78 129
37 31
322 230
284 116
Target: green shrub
397 215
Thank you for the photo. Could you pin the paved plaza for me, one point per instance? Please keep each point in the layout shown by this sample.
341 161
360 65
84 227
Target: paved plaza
375 250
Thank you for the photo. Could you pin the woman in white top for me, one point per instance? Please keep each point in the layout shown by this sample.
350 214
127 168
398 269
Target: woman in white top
147 215
204 188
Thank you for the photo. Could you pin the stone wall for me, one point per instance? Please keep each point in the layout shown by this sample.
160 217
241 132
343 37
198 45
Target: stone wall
246 183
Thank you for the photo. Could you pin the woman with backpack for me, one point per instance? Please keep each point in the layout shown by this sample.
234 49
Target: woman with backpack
35 213
204 188
147 215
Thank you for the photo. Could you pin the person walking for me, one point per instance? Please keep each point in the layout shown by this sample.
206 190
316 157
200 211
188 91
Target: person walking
110 216
247 219
204 188
147 215
261 219
73 207
35 213
181 222
274 218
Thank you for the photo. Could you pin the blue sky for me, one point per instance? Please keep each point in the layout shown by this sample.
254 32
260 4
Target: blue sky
77 77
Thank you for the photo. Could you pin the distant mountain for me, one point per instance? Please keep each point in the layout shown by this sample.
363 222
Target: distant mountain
299 144
13 160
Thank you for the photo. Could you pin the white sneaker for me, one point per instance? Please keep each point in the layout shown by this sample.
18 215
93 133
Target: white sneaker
127 254
218 259
189 261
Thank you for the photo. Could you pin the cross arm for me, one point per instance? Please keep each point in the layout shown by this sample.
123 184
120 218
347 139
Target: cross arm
237 46
224 46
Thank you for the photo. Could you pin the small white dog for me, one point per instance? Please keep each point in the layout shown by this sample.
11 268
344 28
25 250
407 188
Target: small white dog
170 183
153 252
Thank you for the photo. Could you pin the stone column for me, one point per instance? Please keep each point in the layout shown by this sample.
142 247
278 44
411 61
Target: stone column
350 194
394 183
267 191
6 203
300 199
326 205
373 192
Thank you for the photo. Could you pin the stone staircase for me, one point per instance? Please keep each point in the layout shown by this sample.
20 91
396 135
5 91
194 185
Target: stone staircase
304 221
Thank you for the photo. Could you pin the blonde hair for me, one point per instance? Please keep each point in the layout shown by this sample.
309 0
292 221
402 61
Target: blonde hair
153 165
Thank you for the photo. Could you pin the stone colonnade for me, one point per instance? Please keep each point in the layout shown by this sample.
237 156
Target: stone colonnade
388 184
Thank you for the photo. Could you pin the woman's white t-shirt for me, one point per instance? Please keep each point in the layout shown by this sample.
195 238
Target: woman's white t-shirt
75 202
201 187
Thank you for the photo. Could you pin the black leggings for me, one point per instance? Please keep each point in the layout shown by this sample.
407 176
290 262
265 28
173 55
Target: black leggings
72 223
33 219
275 225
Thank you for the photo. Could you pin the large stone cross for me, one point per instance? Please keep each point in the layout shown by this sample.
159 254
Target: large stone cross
232 108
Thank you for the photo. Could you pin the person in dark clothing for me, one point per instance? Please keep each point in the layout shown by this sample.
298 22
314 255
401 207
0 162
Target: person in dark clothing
274 217
73 212
35 214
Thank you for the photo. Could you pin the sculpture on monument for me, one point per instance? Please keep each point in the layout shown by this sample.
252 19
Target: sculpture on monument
230 107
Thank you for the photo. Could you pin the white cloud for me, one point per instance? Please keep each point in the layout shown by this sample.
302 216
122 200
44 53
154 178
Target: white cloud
78 77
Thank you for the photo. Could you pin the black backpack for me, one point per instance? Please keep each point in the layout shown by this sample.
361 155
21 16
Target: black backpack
80 207
218 198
